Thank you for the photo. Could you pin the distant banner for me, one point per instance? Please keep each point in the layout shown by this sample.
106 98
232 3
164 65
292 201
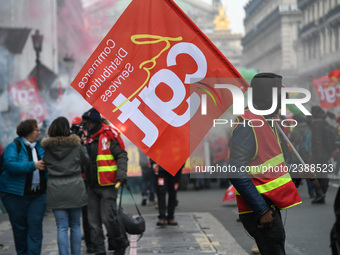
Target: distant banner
25 95
328 89
141 75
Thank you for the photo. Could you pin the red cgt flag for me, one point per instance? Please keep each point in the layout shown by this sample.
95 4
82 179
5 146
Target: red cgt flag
147 77
230 194
328 89
25 94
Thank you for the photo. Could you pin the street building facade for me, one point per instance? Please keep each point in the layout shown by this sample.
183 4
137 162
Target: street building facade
271 28
42 39
319 37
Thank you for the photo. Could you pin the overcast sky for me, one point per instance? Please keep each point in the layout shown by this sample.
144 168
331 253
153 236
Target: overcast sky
234 11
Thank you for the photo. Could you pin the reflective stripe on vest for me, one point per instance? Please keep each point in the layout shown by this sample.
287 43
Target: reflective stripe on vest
269 186
269 164
106 163
275 185
105 157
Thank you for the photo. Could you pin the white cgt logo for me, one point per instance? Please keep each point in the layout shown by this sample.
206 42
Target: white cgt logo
165 109
105 144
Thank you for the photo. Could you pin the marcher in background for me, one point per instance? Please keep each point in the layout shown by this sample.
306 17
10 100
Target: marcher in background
335 231
148 184
259 204
336 153
220 155
23 187
166 183
321 152
1 159
301 138
66 194
108 166
43 129
77 129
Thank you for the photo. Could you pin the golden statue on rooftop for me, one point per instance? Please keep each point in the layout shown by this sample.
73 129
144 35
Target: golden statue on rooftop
221 21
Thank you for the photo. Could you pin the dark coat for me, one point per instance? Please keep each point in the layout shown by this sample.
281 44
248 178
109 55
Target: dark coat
65 158
298 137
320 152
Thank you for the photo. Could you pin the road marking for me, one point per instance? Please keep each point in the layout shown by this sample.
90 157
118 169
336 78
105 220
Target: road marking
204 242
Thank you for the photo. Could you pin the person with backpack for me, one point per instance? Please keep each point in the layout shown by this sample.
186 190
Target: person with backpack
108 166
321 151
23 187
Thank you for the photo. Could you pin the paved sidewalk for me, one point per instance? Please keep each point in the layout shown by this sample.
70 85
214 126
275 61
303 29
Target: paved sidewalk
197 233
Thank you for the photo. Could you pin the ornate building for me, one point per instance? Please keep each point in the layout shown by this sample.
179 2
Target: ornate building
210 18
64 43
271 28
319 40
228 43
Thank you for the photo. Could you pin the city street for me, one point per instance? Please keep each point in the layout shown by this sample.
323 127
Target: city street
211 87
208 226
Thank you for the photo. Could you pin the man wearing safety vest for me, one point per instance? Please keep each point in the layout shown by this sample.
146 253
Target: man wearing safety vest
108 166
266 187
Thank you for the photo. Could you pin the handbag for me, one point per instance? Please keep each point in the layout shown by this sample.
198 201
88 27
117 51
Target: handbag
128 223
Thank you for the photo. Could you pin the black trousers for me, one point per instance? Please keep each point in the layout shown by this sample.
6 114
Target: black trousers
102 209
270 241
166 183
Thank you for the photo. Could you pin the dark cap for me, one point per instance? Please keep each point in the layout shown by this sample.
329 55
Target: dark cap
267 79
263 84
318 112
92 115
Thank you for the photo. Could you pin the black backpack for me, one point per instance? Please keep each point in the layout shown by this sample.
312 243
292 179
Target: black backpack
2 167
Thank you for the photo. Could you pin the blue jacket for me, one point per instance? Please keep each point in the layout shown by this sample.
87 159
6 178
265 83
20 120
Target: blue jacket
242 150
17 166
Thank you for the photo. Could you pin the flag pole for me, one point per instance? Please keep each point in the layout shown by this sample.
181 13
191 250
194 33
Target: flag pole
290 144
312 175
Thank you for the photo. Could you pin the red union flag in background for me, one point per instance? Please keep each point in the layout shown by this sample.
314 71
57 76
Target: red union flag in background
328 89
144 75
25 94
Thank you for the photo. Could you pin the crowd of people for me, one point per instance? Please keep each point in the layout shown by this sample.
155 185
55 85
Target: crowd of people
73 171
67 173
88 158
